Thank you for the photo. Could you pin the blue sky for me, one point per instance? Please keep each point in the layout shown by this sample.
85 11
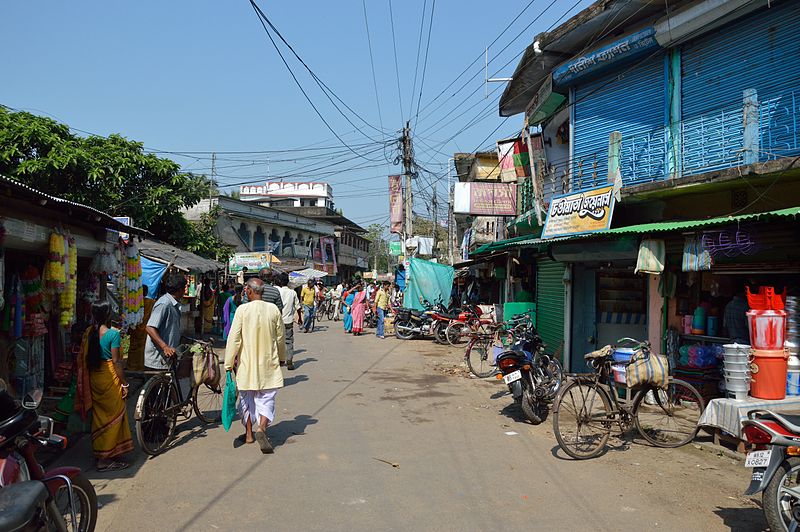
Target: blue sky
201 76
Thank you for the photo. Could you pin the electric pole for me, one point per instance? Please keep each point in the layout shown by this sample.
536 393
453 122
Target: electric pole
213 174
434 219
408 200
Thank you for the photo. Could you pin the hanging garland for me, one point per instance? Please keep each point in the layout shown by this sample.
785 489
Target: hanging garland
133 295
68 297
55 276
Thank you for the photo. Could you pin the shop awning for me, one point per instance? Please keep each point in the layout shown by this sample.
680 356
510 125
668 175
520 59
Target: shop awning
654 227
179 258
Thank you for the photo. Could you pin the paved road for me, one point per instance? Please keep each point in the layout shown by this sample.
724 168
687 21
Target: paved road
390 435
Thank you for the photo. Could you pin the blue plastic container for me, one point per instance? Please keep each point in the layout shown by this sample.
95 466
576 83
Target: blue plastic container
623 354
712 325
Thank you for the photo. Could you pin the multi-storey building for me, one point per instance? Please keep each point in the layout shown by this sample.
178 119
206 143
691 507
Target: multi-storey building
689 111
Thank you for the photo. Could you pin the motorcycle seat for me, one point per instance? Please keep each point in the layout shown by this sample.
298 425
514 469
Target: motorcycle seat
790 421
19 503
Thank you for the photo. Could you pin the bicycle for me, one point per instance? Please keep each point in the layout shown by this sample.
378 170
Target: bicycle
482 342
161 401
588 406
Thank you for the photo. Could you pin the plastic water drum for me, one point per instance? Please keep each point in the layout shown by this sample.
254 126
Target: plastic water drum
793 376
768 374
767 329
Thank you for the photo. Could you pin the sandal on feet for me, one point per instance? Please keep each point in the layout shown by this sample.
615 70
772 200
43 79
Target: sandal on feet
113 466
263 443
243 439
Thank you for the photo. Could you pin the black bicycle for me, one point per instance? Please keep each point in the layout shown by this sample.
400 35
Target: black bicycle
161 400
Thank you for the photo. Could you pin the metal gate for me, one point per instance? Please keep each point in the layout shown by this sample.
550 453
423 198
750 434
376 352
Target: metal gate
632 102
550 302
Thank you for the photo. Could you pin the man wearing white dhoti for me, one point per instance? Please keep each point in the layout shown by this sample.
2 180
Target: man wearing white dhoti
256 348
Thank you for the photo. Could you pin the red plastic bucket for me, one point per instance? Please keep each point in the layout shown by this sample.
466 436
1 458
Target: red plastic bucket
768 374
767 329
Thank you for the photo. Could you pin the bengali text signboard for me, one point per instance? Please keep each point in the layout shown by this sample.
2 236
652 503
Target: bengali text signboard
580 212
485 199
395 204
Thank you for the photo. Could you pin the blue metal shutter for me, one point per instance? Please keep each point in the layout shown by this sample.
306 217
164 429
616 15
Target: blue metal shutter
632 102
550 302
761 51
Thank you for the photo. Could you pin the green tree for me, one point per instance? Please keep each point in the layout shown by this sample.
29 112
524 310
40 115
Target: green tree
112 174
424 227
379 247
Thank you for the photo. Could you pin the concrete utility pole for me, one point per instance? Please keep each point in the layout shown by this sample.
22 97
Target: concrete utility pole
408 200
450 229
213 174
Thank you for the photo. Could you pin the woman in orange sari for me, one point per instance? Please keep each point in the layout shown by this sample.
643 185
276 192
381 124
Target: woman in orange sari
103 388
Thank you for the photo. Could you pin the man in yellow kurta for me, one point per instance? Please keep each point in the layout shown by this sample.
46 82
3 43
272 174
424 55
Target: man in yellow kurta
256 347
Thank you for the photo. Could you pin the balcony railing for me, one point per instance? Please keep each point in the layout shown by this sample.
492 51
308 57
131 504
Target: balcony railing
715 140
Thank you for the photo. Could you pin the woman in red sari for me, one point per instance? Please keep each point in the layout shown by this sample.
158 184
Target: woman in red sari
358 309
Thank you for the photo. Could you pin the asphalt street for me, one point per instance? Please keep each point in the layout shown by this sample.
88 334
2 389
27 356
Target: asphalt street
388 435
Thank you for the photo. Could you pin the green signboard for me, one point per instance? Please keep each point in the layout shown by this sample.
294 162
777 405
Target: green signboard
396 248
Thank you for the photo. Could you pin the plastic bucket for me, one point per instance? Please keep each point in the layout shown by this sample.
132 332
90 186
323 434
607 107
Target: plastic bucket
768 374
619 373
736 350
793 382
733 374
767 329
623 354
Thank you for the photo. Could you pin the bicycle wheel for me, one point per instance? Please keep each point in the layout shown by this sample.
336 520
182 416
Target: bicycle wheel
478 357
207 402
582 419
329 312
154 424
321 312
455 332
668 418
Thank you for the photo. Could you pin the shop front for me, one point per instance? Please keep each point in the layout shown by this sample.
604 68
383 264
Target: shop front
56 259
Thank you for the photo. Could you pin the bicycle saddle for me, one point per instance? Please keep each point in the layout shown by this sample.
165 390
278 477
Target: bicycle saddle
603 352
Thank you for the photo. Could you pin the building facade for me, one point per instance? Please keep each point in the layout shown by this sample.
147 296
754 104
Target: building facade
695 128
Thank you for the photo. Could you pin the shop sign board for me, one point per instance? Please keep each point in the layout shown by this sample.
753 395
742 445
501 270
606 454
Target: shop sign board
580 212
396 248
395 204
485 199
253 261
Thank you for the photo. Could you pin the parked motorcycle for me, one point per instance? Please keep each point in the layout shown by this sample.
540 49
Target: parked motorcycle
469 319
73 501
410 323
776 466
27 506
532 376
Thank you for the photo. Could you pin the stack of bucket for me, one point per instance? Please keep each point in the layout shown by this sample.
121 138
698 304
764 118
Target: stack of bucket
767 320
736 368
792 345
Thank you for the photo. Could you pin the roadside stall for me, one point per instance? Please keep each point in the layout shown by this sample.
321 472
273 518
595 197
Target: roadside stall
58 257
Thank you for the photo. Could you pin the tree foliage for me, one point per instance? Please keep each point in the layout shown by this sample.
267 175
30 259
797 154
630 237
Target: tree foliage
112 174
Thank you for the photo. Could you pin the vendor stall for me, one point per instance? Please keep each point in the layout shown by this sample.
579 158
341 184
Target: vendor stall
57 257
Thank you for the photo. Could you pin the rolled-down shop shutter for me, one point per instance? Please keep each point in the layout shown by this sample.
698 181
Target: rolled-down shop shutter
631 101
759 51
550 302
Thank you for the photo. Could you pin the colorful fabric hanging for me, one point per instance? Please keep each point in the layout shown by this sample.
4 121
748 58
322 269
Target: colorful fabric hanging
133 296
652 253
696 257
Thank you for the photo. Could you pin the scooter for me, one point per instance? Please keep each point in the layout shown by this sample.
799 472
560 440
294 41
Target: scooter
73 500
776 466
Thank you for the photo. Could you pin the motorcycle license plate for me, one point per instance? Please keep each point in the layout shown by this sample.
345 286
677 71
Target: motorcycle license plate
512 377
758 458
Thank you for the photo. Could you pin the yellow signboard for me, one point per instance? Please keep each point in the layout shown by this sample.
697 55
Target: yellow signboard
580 212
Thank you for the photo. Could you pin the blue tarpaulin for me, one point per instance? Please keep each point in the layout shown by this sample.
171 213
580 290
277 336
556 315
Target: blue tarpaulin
152 272
427 280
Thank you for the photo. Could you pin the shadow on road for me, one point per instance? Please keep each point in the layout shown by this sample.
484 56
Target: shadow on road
742 519
283 430
298 363
288 381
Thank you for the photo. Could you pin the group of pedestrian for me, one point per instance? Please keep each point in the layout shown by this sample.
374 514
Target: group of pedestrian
356 298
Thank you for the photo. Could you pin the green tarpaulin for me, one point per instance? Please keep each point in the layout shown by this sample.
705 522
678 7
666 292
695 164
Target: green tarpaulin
427 280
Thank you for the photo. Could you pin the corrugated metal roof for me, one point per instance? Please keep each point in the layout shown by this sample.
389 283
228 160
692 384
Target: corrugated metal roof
180 258
655 227
107 221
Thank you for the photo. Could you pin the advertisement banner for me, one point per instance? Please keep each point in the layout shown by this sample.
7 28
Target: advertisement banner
396 204
329 252
485 199
253 261
395 248
580 212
